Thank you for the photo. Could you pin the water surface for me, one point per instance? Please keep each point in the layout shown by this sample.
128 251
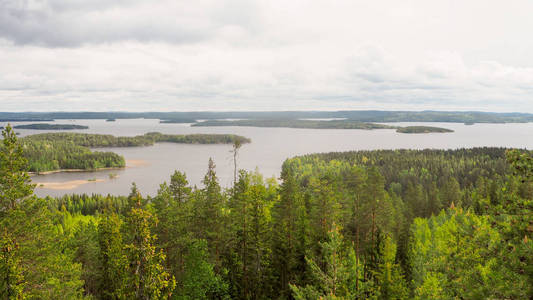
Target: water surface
150 166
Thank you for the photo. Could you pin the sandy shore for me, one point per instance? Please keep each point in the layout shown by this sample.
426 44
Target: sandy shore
65 185
72 170
129 164
136 163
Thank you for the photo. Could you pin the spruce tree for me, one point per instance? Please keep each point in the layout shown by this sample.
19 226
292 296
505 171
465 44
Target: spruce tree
147 277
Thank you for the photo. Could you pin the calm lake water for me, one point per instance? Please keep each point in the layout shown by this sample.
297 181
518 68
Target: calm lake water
150 166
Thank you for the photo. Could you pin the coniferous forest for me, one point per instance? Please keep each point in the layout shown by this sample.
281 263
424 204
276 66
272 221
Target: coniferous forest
405 224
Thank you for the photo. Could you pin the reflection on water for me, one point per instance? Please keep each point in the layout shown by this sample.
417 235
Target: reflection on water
150 166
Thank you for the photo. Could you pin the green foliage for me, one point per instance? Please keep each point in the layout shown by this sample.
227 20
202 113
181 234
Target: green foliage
14 180
112 258
89 204
12 280
290 235
41 126
146 274
338 276
250 225
390 282
199 279
52 155
422 129
459 254
35 261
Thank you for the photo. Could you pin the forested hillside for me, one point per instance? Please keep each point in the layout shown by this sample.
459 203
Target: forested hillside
404 224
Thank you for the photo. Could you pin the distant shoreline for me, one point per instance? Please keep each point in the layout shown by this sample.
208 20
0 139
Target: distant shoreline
74 171
129 164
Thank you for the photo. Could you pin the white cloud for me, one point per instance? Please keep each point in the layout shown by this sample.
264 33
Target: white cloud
265 55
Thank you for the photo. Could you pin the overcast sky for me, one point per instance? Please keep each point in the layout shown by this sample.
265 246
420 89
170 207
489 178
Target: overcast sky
181 55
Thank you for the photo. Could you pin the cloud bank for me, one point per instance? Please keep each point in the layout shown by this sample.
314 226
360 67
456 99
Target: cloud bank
141 55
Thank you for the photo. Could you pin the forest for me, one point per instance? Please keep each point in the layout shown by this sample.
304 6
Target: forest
41 126
67 151
388 224
422 129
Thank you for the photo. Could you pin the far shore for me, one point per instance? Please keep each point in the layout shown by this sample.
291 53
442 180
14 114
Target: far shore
73 170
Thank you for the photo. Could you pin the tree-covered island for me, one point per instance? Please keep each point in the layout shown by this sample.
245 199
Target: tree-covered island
422 129
71 151
45 126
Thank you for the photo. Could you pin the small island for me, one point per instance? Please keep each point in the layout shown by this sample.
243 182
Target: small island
422 129
47 126
111 120
469 123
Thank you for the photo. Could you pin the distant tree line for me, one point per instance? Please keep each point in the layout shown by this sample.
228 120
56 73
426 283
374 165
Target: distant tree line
422 129
44 126
357 115
312 124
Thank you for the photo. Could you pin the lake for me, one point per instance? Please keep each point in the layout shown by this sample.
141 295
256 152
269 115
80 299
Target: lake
150 166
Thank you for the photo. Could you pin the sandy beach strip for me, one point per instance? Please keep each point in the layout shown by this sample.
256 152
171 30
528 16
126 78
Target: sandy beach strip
65 185
136 163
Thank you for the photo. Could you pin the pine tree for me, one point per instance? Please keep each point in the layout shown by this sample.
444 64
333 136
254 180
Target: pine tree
179 187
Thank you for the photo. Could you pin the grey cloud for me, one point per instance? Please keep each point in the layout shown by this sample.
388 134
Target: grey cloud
65 23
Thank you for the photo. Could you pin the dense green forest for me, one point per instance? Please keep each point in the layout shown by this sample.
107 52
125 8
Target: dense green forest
148 139
61 151
41 126
406 224
422 129
356 115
